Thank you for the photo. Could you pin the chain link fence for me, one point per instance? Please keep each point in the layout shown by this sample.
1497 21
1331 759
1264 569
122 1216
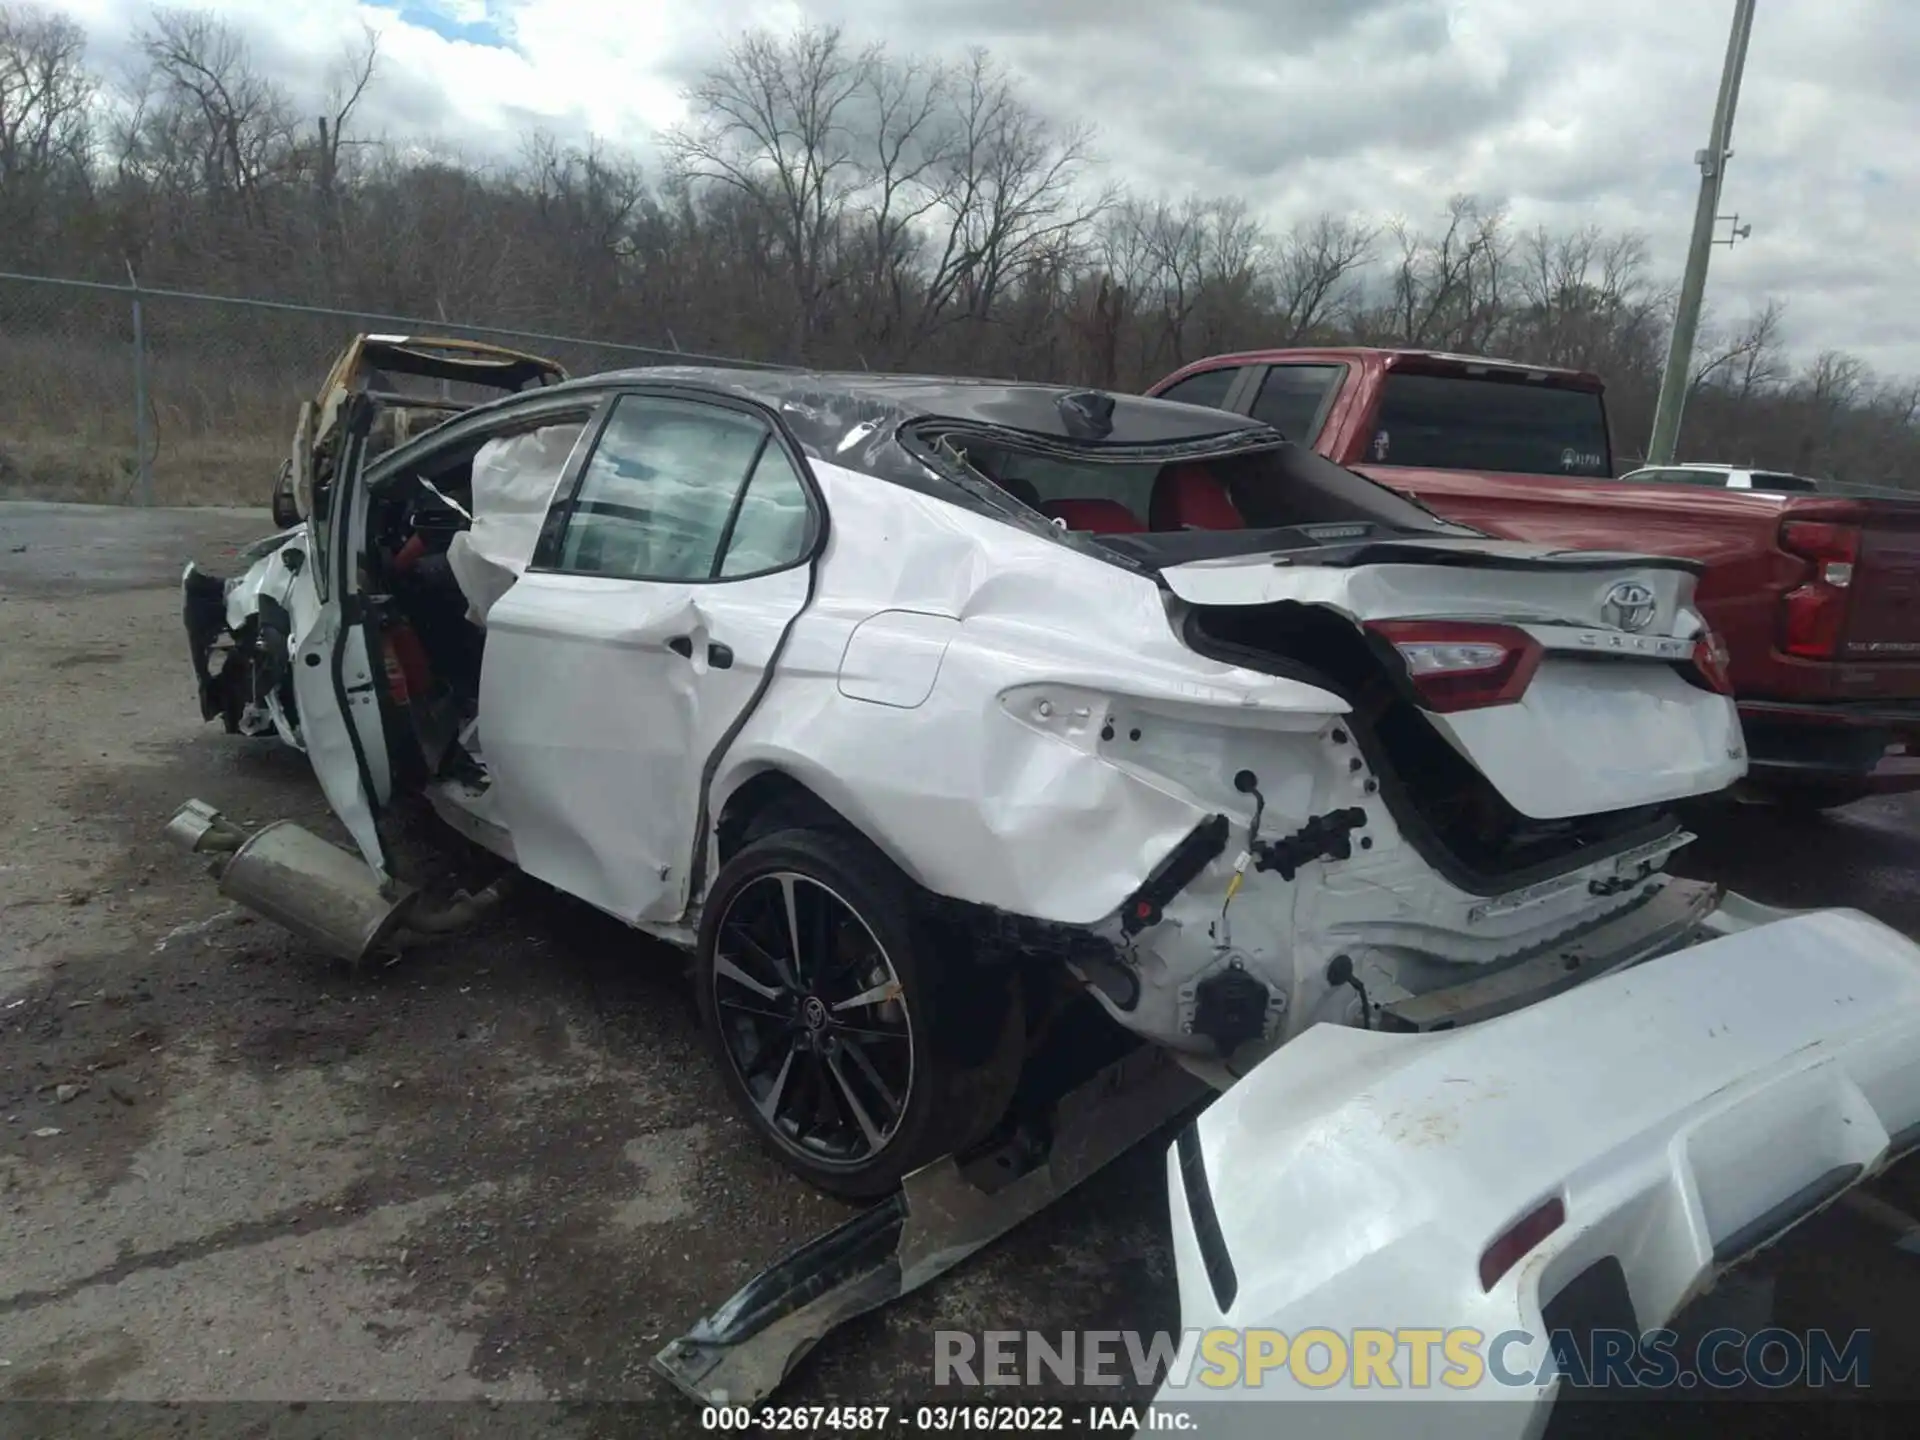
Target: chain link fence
122 394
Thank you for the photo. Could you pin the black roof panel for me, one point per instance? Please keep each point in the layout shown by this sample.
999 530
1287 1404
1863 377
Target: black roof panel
823 407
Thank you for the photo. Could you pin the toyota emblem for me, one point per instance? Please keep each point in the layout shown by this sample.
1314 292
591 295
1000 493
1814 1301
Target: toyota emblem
1630 606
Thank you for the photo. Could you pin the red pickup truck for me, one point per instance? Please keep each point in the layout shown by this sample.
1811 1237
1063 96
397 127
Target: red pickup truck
1816 596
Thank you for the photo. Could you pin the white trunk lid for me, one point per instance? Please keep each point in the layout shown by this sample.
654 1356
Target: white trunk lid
1608 722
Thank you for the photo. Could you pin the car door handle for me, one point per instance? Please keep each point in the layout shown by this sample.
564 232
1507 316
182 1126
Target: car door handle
720 656
681 645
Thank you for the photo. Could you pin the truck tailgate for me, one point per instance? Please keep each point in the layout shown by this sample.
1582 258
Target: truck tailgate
1884 621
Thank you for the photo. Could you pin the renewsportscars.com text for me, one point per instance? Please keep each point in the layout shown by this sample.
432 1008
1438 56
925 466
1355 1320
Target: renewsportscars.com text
1404 1358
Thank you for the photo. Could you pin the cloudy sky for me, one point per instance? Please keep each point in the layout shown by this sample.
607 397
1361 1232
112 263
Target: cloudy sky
1571 111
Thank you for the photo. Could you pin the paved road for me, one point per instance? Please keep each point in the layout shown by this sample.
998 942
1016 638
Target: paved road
502 1167
73 550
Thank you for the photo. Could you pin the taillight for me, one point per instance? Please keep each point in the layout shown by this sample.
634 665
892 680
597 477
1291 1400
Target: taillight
1456 665
1519 1239
1813 616
1712 664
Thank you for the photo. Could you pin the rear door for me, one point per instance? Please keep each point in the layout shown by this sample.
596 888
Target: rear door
333 670
622 662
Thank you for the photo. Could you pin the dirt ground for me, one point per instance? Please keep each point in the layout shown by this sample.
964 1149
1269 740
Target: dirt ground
502 1167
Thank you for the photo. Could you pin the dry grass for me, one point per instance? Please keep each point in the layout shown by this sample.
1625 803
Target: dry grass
212 470
219 423
225 386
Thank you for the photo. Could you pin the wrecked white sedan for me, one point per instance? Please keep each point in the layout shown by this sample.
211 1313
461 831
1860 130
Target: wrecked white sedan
929 713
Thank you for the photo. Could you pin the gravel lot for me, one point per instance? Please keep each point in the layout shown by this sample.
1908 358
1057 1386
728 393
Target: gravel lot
502 1167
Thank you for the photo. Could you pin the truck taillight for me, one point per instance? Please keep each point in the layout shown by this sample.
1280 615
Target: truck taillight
1813 616
1455 665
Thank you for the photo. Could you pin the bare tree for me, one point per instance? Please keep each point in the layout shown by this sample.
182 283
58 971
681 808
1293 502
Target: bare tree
1315 272
907 135
1444 291
352 73
1009 194
46 94
210 104
775 121
828 203
1745 361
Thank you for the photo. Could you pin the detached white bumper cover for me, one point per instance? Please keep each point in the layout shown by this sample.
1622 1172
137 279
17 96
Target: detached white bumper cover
1684 1113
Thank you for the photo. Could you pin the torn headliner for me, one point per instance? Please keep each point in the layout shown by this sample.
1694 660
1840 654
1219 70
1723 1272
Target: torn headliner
465 361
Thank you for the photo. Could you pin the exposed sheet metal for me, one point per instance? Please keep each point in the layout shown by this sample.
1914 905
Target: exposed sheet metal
743 1351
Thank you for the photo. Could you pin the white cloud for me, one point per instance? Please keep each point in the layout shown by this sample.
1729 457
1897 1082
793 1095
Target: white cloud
1573 113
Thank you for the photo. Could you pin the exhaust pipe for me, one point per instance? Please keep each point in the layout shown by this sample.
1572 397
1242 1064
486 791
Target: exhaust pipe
289 875
322 893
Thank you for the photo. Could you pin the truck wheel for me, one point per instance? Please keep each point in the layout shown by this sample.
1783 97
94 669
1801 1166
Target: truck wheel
855 1048
1812 797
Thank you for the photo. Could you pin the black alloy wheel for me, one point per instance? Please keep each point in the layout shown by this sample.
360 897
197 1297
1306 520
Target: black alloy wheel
814 1019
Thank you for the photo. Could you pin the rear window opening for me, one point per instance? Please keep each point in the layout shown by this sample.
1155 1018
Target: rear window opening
1135 499
1491 424
1448 810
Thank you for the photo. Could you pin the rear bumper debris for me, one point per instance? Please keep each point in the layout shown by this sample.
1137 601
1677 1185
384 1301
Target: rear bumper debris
1639 1137
744 1350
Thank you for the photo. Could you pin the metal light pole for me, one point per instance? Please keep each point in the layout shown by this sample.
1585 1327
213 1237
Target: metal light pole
1675 379
142 417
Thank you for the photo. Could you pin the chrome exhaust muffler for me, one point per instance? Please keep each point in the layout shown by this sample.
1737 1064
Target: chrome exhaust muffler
289 875
326 895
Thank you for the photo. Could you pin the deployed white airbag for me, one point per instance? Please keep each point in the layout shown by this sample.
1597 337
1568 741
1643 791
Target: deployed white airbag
513 481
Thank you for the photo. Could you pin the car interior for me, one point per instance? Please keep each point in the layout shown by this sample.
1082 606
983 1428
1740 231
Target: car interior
1107 498
446 539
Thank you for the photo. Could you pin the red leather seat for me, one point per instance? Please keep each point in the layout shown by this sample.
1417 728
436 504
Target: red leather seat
1188 497
1102 517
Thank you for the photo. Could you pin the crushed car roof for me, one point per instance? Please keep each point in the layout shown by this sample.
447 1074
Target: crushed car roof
444 357
829 411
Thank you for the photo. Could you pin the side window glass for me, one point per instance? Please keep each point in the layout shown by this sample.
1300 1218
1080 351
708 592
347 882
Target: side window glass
1716 478
1208 388
1292 398
654 499
771 530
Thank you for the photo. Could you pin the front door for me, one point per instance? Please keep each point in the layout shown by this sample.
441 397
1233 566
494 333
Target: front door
638 640
333 670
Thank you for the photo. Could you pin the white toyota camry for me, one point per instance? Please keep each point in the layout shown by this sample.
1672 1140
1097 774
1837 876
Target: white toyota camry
922 711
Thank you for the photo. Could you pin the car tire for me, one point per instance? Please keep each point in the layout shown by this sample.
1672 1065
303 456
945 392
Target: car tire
851 1094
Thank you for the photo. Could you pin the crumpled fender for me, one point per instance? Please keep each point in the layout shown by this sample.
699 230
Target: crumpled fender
1683 1113
266 575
